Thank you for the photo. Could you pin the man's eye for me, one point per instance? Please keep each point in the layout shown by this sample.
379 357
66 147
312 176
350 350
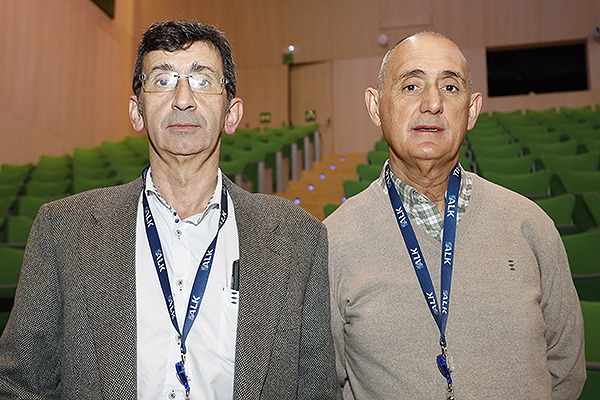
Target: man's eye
162 79
450 88
410 88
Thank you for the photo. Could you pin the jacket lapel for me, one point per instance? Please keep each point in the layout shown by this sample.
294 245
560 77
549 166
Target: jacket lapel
265 260
107 261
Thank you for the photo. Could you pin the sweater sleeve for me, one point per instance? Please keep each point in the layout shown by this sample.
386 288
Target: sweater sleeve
562 315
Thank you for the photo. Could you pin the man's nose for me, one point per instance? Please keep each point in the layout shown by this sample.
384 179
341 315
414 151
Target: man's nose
184 96
431 101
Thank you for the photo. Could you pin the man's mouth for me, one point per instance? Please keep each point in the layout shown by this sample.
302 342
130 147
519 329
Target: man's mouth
428 128
183 126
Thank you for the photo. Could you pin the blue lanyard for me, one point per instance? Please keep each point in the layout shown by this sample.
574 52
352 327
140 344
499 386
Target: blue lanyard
202 274
439 311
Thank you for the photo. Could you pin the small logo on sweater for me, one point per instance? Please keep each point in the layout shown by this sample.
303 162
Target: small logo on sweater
511 265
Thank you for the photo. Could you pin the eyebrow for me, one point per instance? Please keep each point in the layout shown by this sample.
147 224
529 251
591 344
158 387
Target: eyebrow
419 72
196 67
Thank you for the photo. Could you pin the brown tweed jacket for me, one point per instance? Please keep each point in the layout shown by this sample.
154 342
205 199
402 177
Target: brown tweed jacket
72 333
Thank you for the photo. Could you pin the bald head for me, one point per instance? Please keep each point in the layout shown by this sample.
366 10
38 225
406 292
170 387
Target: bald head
420 42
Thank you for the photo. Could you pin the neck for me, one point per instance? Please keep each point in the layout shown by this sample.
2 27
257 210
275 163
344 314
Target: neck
187 188
430 179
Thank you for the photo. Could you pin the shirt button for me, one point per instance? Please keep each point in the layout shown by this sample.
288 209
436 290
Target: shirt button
178 232
172 395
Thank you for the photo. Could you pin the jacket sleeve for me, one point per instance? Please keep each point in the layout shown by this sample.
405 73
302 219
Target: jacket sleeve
31 343
317 378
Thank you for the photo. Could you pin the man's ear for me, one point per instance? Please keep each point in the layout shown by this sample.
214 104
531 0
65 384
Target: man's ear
474 109
135 115
372 103
234 115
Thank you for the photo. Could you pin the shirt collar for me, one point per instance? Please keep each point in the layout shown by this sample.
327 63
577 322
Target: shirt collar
213 202
408 194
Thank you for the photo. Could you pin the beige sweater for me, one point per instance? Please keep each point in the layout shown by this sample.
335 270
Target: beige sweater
515 329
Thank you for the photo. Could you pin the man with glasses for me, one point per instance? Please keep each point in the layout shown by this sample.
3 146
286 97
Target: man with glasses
180 284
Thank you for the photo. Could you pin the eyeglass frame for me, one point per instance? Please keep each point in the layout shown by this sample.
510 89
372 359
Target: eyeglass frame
222 81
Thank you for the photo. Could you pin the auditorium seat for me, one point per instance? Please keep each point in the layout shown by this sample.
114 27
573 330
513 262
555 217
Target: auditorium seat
533 185
49 189
591 326
354 187
560 209
583 250
592 202
368 172
16 229
28 206
513 165
538 149
329 208
10 264
579 182
377 157
577 162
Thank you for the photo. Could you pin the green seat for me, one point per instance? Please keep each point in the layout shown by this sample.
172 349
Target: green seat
593 144
126 173
487 139
538 149
352 187
10 189
48 161
497 151
591 326
592 202
583 250
46 173
381 145
377 157
368 172
4 315
536 184
48 189
91 172
560 209
514 165
14 171
6 204
580 181
139 144
547 137
28 206
81 184
11 259
578 162
330 208
574 112
592 386
17 229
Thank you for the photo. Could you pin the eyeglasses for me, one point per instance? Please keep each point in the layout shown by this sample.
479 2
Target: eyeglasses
158 81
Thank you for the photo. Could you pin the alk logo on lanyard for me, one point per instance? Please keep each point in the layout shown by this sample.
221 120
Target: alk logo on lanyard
198 287
440 315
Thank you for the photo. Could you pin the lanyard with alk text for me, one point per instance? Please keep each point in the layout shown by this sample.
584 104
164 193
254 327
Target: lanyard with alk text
448 240
198 287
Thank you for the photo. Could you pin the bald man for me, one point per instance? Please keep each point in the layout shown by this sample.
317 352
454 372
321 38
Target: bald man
445 285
